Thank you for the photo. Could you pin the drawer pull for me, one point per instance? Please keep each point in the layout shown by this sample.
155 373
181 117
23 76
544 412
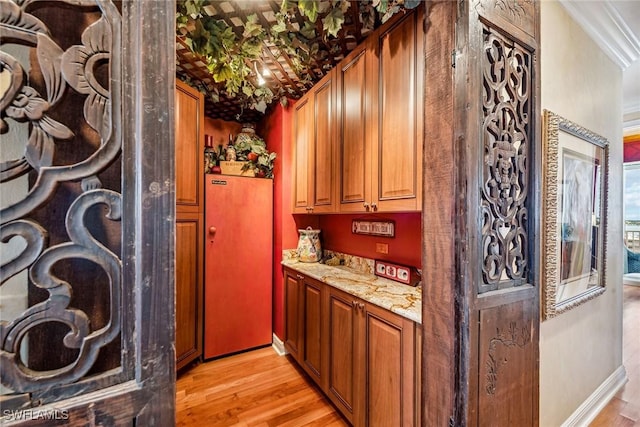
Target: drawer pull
300 277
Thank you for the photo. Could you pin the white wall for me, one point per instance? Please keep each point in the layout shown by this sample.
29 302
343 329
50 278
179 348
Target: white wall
581 348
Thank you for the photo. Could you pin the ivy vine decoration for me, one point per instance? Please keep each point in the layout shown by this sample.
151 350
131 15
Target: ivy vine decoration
229 56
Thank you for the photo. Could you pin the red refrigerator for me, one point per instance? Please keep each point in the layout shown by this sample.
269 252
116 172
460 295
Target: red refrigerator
238 263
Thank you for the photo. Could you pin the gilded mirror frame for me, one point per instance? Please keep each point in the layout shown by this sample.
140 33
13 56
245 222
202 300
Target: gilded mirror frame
575 191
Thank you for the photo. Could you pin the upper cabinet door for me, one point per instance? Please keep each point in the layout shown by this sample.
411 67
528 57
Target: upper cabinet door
397 106
354 153
302 146
323 173
189 109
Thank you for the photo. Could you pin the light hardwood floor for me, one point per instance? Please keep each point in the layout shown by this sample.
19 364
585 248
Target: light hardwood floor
624 408
260 388
257 388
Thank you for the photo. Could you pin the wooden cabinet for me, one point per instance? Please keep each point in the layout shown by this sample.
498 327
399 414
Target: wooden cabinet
343 355
359 131
397 105
189 157
189 166
304 323
386 368
315 150
353 98
363 357
188 277
372 363
293 313
380 107
313 347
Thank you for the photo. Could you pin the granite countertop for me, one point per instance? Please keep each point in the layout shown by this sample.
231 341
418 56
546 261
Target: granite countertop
398 298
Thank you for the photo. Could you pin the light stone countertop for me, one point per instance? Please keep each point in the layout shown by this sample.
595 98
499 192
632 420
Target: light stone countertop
398 298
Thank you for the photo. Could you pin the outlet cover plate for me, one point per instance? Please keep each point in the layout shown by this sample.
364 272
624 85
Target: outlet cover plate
397 272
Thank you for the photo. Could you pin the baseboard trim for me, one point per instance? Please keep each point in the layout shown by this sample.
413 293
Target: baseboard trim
591 407
278 346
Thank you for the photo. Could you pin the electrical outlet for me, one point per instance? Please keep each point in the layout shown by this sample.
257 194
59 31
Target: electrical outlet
382 248
399 273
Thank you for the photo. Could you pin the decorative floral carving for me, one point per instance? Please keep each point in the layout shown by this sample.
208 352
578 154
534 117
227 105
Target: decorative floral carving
78 64
514 10
11 15
513 337
512 7
506 107
25 103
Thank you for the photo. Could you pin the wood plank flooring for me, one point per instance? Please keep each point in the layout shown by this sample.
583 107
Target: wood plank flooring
257 388
624 408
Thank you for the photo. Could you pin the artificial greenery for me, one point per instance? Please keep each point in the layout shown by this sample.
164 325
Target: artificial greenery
229 56
253 149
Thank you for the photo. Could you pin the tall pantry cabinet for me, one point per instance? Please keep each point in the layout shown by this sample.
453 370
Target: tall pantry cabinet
189 172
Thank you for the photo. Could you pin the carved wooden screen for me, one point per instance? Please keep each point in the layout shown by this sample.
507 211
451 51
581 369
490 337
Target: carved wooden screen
71 174
503 290
507 109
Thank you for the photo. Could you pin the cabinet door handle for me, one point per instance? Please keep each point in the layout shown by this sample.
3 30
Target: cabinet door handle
361 306
366 205
300 277
354 304
374 206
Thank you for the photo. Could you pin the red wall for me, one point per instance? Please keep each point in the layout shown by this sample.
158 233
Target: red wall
276 131
404 248
631 148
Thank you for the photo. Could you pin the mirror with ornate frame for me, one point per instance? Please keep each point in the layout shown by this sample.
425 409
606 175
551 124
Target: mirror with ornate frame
575 214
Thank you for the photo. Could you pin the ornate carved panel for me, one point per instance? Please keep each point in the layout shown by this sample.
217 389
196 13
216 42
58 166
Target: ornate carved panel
506 132
517 13
506 365
68 97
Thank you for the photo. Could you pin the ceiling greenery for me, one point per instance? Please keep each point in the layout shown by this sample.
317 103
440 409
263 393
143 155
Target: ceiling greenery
230 57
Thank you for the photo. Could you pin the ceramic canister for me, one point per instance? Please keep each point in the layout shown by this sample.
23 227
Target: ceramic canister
309 249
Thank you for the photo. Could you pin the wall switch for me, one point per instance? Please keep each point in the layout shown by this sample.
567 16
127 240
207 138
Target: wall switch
382 248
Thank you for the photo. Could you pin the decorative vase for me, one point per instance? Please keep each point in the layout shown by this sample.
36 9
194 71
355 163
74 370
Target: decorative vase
247 136
309 249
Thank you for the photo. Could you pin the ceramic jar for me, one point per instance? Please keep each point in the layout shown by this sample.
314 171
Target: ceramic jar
309 249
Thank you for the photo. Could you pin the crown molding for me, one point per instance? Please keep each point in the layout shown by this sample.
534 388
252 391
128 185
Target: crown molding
604 24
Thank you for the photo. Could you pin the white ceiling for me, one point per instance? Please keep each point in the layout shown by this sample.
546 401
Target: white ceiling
615 26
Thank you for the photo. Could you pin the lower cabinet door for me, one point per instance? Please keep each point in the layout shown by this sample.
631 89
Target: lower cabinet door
389 369
293 314
343 352
189 294
313 335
